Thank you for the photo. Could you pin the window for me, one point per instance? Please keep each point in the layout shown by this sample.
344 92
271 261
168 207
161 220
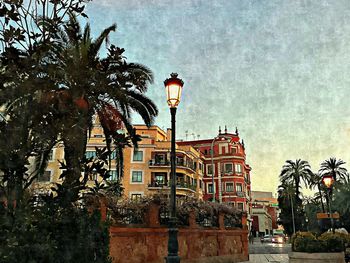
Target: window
200 184
136 196
209 169
239 187
240 206
210 188
98 135
113 175
238 168
90 154
160 158
113 154
136 177
44 177
138 156
228 167
160 179
229 187
234 150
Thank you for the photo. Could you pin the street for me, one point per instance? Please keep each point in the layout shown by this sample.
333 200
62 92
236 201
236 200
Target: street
268 248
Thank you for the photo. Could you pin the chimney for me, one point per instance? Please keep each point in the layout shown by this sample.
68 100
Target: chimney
168 134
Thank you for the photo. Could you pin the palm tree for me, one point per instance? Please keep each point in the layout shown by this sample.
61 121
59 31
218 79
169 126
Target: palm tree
287 191
66 85
294 172
333 167
315 181
110 87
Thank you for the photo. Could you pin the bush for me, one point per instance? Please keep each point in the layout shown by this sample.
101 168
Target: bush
334 242
44 234
327 242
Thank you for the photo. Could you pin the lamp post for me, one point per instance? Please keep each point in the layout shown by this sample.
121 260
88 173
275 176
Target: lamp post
173 87
328 181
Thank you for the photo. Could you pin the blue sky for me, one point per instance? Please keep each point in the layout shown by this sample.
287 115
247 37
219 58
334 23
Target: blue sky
277 69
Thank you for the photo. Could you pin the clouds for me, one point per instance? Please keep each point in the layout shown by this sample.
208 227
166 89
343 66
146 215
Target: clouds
276 69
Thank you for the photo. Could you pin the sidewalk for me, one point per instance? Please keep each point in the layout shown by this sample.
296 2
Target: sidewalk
265 258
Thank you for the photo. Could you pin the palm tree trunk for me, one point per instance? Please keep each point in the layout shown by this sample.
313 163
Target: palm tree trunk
319 191
75 141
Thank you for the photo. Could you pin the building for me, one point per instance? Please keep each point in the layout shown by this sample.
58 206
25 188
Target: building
264 213
231 172
146 168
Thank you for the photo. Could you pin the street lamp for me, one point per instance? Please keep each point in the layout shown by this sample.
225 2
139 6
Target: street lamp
173 87
328 181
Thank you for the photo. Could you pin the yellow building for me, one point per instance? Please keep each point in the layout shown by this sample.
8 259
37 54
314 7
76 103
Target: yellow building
146 169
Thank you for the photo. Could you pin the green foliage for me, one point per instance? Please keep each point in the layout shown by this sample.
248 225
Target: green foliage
49 234
327 242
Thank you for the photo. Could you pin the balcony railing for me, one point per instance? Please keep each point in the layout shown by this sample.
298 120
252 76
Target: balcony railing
178 185
158 163
180 163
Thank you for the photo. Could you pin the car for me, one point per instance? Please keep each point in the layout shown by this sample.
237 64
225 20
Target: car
280 239
266 238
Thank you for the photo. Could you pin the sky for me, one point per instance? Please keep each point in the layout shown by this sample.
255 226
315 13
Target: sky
279 70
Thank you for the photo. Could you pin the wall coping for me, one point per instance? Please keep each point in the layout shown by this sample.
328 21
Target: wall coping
316 256
117 229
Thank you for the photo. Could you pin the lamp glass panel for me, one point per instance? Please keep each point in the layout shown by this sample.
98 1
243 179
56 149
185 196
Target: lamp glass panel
173 94
328 181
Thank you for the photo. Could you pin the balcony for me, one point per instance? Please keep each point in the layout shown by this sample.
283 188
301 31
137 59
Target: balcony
158 163
240 194
179 185
179 163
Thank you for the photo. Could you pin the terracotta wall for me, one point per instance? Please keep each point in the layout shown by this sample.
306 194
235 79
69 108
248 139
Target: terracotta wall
138 245
196 245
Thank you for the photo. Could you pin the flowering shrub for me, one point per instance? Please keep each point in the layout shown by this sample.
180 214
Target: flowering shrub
126 211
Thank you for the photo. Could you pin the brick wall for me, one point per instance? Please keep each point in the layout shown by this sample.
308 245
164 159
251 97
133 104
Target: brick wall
138 245
196 244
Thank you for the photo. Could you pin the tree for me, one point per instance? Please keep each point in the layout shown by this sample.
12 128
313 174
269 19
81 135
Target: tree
294 172
292 214
316 181
70 84
333 167
110 87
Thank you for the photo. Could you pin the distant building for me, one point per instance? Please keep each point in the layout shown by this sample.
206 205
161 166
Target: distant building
231 172
264 213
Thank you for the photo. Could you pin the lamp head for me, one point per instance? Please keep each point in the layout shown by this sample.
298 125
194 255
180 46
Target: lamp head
173 87
328 180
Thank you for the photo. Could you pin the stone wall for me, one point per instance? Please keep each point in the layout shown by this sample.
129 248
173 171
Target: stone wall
138 245
196 244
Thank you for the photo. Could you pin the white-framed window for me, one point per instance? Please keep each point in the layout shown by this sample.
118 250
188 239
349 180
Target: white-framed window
136 177
240 206
210 188
229 187
234 150
137 156
238 168
239 187
228 167
210 169
113 175
90 154
135 195
45 177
